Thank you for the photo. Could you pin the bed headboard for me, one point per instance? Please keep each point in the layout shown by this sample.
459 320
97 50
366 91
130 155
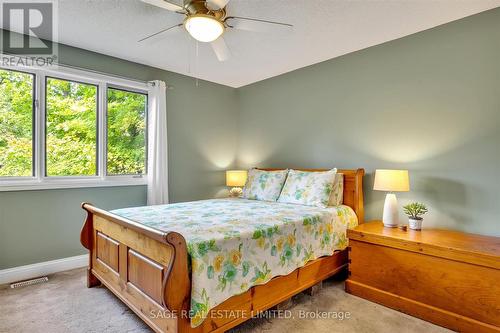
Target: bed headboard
353 188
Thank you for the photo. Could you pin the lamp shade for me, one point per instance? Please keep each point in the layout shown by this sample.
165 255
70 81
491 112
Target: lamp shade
391 181
236 178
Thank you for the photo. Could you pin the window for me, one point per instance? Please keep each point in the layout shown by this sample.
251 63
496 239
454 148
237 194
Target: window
71 128
126 125
16 123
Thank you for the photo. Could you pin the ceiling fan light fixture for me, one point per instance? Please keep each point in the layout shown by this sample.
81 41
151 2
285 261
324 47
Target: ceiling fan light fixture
204 28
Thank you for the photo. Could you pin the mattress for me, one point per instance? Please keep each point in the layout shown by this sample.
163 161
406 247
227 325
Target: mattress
235 244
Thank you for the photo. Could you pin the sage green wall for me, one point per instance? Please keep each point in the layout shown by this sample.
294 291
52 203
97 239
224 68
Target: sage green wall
429 103
37 226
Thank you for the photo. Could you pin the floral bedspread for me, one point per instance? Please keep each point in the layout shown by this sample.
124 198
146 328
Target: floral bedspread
235 244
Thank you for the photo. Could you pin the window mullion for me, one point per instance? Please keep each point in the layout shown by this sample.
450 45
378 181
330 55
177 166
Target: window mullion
40 126
101 130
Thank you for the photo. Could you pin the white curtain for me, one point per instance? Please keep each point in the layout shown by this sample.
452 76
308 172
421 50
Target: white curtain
157 145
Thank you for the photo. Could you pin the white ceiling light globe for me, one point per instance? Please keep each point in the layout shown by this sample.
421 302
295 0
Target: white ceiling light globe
203 28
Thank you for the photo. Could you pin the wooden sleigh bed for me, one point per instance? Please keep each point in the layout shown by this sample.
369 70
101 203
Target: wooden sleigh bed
148 270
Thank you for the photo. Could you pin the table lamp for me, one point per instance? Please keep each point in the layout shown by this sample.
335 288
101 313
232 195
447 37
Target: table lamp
391 181
236 179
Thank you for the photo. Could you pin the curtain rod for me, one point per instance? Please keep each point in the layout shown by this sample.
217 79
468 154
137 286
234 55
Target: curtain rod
112 75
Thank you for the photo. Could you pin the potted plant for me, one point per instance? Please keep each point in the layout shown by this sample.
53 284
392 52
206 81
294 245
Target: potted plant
415 210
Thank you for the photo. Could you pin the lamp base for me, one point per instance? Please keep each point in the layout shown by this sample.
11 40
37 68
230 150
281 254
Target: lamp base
391 213
235 192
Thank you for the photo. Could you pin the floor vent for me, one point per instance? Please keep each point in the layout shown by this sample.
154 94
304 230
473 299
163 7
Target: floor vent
29 282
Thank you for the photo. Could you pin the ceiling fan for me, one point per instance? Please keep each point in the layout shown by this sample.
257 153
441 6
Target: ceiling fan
207 20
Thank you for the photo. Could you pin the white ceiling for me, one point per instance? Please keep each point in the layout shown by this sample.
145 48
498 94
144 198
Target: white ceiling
323 29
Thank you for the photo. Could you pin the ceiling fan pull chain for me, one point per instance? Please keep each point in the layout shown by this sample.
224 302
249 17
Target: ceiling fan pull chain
196 62
189 56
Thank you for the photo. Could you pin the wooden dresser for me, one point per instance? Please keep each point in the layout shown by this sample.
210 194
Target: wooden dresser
446 277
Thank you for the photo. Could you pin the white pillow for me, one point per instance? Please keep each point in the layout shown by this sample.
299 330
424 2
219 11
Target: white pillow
264 185
308 188
337 196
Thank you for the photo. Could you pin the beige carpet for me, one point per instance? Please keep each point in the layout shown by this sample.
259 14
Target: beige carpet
64 304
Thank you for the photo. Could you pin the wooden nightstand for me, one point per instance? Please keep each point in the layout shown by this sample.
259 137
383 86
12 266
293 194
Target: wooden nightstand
446 277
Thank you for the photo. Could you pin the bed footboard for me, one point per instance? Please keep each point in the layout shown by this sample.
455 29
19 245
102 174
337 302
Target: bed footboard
146 268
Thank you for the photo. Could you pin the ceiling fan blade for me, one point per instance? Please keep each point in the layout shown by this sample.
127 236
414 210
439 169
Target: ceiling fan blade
217 4
165 4
221 50
159 33
251 24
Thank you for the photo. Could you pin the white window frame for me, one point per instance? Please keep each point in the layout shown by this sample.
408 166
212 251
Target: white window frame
40 181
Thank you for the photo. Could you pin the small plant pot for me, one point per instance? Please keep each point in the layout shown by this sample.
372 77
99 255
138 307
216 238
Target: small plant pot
415 224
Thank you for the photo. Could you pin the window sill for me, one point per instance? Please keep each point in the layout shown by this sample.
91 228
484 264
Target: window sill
33 185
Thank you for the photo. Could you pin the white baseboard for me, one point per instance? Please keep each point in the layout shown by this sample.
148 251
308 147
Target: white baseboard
20 273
